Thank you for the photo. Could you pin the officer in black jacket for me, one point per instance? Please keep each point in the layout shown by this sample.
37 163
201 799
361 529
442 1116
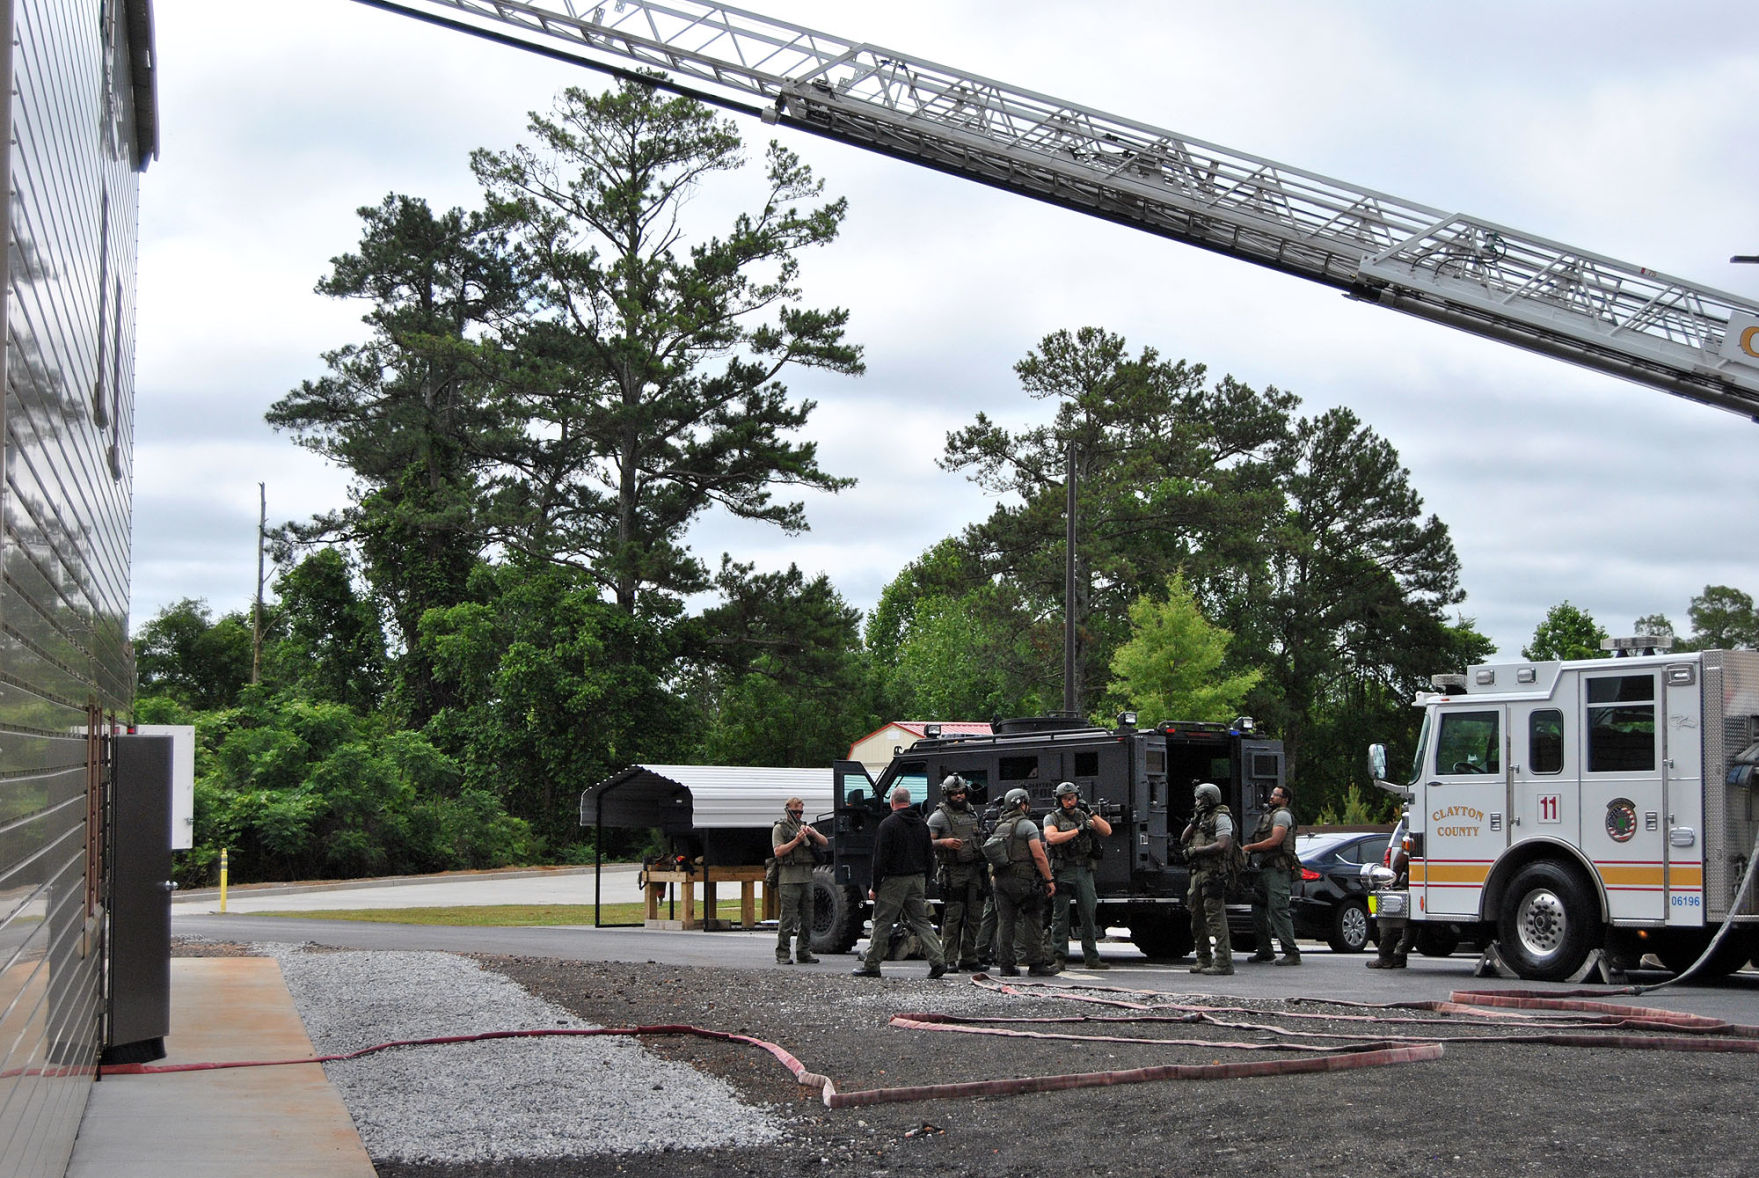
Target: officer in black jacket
902 851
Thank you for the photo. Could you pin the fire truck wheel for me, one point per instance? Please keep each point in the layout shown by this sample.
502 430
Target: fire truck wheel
1547 924
837 914
1349 928
1161 938
1684 947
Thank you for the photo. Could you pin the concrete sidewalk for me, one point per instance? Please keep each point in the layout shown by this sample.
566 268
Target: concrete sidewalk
287 1121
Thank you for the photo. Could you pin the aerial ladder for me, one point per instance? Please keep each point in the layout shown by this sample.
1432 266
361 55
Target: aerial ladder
1451 268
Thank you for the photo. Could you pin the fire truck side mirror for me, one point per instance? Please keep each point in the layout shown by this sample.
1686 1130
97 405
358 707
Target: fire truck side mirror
1377 761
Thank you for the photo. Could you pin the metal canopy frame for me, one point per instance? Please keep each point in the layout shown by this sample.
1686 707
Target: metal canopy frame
1450 268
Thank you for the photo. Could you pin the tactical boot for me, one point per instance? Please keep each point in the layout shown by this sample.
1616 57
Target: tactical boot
1008 971
863 971
1260 957
1291 956
783 959
1094 963
1386 963
1221 970
1047 970
1203 963
805 959
937 970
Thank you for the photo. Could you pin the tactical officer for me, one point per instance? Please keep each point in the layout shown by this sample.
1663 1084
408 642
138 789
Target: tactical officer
1022 887
962 875
1070 830
1272 852
791 842
1395 943
901 851
1208 843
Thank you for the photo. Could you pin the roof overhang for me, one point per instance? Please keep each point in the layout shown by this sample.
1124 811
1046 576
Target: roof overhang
679 798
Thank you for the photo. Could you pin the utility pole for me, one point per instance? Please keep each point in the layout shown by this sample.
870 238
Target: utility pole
1071 700
256 628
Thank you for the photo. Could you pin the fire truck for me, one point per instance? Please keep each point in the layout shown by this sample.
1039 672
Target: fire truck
1565 807
1140 778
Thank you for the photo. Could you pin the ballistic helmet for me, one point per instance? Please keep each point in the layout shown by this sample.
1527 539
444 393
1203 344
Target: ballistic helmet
1067 790
1207 795
953 784
1017 799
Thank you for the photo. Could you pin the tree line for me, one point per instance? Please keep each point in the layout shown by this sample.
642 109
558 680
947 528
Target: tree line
554 385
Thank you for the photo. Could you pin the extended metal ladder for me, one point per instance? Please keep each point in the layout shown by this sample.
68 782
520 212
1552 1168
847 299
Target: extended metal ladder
1627 320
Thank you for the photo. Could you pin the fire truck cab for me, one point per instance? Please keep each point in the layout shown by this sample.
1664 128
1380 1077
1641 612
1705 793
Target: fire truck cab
1599 803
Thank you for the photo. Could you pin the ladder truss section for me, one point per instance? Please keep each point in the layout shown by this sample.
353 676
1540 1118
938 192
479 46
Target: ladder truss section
1457 270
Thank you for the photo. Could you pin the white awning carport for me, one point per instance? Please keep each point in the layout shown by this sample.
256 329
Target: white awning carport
680 798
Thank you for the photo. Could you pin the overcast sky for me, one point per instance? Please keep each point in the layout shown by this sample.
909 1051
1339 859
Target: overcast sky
1623 128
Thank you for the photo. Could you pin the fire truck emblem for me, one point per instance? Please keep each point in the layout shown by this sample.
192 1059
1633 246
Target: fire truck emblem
1621 820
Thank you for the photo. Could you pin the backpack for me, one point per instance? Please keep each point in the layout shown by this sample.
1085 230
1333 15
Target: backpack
995 849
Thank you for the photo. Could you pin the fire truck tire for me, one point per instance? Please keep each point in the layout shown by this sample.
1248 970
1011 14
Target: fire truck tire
1678 953
1349 928
1162 937
1548 923
837 914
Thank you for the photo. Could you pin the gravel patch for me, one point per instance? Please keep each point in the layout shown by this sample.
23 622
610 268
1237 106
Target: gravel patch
550 1097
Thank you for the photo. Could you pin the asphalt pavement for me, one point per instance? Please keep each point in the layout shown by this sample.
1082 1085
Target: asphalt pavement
1323 974
289 1120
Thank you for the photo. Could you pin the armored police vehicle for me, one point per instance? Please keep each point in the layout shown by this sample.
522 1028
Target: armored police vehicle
1141 779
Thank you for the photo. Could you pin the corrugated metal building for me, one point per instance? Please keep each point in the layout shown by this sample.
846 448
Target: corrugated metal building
82 126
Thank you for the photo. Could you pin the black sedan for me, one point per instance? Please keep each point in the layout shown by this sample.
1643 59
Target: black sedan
1329 902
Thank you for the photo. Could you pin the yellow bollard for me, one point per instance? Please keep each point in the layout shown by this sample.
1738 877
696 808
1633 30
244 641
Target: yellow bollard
222 879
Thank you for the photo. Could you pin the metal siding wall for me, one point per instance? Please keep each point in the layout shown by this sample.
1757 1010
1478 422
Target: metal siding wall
64 545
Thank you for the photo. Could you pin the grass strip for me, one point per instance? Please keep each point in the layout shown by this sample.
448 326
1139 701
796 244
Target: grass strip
501 915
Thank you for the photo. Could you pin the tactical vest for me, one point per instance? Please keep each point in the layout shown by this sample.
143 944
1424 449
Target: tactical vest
1078 850
1284 855
1206 836
962 825
800 856
1020 861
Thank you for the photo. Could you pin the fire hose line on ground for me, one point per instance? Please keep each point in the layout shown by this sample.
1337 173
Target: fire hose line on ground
1482 1008
1325 1060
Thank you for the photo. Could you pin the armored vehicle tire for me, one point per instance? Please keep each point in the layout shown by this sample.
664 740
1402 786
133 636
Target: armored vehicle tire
837 914
1349 928
1438 940
1548 923
1164 938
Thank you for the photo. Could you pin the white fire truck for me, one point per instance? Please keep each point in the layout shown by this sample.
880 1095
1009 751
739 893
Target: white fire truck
1599 803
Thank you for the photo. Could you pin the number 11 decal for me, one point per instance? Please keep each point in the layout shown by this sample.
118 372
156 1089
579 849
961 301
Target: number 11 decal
1548 808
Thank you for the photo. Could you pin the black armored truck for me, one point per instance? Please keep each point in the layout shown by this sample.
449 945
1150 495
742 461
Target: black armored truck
1141 779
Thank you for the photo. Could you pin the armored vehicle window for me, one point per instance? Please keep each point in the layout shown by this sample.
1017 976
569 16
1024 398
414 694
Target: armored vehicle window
1157 760
1621 724
1087 764
1545 741
1018 769
1469 743
914 775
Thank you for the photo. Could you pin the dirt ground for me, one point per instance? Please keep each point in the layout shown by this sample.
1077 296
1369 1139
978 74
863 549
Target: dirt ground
1482 1109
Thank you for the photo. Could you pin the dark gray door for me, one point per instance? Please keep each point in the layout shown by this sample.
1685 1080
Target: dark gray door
140 893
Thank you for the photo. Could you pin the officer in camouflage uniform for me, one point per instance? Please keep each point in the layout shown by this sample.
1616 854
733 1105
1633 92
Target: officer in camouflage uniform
963 877
791 841
1272 852
1069 831
1208 843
